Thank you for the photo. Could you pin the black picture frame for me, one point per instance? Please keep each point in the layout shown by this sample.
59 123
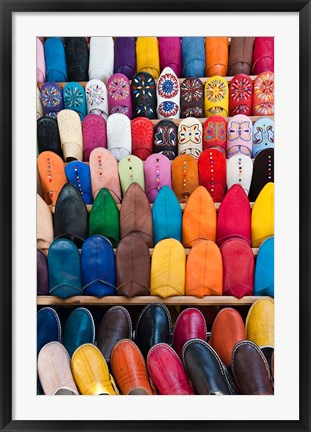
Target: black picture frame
7 10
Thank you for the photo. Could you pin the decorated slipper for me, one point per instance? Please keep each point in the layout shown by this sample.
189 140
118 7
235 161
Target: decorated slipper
41 72
240 55
216 93
263 135
144 98
142 137
119 95
259 324
39 105
78 174
64 269
131 169
119 135
190 137
170 53
94 134
101 58
238 268
48 327
193 57
241 95
79 329
45 231
264 270
166 216
212 173
125 56
168 95
52 99
263 55
147 56
263 172
98 267
204 270
55 60
199 218
70 133
77 57
133 266
215 134
135 214
185 176
191 98
216 54
52 175
42 274
104 173
157 169
263 215
96 98
165 139
168 269
74 98
48 136
263 97
239 136
240 171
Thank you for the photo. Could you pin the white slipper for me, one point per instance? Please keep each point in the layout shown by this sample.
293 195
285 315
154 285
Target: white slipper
101 58
168 95
119 135
240 171
190 137
96 98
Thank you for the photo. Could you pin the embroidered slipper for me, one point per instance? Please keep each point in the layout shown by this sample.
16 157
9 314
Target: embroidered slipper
216 93
45 232
42 274
185 176
48 327
55 60
131 169
264 270
52 175
165 139
239 136
41 71
51 99
241 95
74 98
77 57
263 135
142 137
78 174
191 98
193 57
94 134
79 329
216 54
101 58
125 56
170 53
168 95
212 173
39 105
147 56
263 96
215 134
119 95
119 136
263 55
157 170
240 171
263 215
97 98
263 172
144 99
240 55
48 136
70 133
190 137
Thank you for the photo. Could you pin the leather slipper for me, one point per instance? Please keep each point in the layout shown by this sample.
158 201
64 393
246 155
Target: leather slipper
263 135
170 54
55 60
216 54
165 139
48 327
263 215
101 58
168 95
78 174
144 98
240 171
147 56
70 133
240 136
241 95
263 55
259 324
216 97
39 105
79 329
193 57
51 99
131 169
157 170
77 57
96 98
41 71
45 232
119 95
212 173
52 175
119 135
263 172
185 176
74 98
191 98
142 137
263 96
94 134
42 274
190 137
240 55
48 136
264 270
215 134
125 56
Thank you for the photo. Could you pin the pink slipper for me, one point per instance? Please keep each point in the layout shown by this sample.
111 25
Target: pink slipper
94 134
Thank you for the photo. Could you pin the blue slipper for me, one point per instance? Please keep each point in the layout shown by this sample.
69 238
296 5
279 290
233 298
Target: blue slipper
193 57
264 270
78 174
74 98
48 327
79 329
55 60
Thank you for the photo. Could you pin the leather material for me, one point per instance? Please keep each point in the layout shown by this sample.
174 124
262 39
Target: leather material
250 369
190 137
263 135
48 136
212 173
168 265
168 95
154 326
55 60
119 95
272 365
238 268
234 216
204 270
191 98
241 95
64 269
71 216
115 325
264 270
48 327
190 324
216 53
144 99
170 54
142 137
199 218
52 99
263 215
205 370
78 174
104 217
239 136
79 329
240 55
125 56
74 98
39 105
101 58
240 171
165 139
96 98
98 267
185 176
263 55
119 137
104 173
216 97
129 368
135 214
55 372
193 57
91 373
94 134
42 274
41 71
77 58
166 216
147 56
166 371
70 133
215 134
228 329
45 232
263 96
131 170
52 175
157 170
259 324
263 172
133 266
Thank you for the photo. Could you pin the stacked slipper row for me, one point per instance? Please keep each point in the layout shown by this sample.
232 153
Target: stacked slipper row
157 357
